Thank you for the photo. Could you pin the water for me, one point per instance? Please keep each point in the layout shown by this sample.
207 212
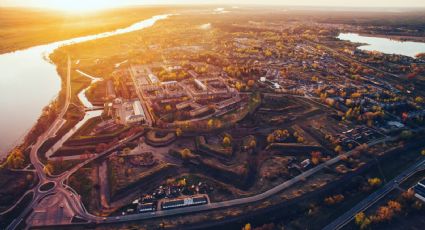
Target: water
385 45
29 81
89 115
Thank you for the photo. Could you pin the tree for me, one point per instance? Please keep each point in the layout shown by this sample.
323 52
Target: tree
179 132
409 194
419 100
359 217
300 139
384 213
238 86
315 157
252 144
331 200
374 182
362 221
48 169
16 159
247 227
29 177
186 153
338 149
270 138
210 123
394 205
226 141
406 134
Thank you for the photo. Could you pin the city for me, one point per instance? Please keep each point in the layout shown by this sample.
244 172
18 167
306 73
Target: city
228 118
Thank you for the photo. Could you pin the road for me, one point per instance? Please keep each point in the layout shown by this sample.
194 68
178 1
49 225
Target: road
67 199
235 202
341 221
148 115
338 53
76 206
38 165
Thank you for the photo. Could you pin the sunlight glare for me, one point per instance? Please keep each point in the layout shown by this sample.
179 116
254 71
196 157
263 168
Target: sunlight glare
83 5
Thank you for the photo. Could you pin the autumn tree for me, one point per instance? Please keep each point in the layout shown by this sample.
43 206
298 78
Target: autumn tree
48 169
186 153
374 182
179 132
362 221
16 159
338 149
247 227
315 157
252 144
226 141
250 83
168 108
270 138
331 200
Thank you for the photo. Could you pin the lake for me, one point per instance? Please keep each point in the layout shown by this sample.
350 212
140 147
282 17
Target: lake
385 45
29 82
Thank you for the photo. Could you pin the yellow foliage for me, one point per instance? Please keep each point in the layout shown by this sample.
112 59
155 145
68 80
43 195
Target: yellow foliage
179 132
247 227
270 138
226 141
374 181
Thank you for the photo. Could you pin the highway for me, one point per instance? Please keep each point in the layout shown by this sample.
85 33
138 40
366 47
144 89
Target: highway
344 219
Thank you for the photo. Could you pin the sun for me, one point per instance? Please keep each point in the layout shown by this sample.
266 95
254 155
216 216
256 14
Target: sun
83 5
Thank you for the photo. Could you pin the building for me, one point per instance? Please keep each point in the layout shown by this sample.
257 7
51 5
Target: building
184 202
127 112
138 115
148 207
199 111
110 90
200 85
420 190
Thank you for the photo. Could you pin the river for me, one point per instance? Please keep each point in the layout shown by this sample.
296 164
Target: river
29 81
385 45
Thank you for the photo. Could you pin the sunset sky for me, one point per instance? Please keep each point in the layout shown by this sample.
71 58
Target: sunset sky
111 3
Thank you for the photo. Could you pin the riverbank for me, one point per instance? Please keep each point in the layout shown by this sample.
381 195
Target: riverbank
50 26
384 44
30 109
400 38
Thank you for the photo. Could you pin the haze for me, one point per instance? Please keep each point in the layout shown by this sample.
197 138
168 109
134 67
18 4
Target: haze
109 3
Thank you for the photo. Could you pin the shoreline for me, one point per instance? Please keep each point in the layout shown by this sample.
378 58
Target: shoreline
25 141
103 21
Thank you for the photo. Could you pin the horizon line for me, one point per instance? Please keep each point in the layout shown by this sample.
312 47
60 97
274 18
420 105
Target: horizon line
415 8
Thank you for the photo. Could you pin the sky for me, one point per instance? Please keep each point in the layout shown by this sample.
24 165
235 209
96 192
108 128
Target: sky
112 3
